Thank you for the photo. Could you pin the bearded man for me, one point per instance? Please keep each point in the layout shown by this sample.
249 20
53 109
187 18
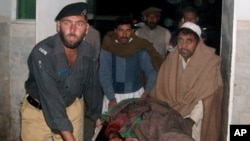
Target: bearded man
62 70
190 81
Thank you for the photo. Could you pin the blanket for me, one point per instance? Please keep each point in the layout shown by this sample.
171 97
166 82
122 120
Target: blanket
146 119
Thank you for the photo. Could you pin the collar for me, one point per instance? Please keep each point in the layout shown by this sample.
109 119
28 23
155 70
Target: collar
130 40
183 62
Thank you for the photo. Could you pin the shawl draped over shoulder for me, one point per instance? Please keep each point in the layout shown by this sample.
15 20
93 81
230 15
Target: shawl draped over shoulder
201 80
126 50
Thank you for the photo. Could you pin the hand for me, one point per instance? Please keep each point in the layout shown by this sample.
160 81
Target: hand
67 135
189 124
98 124
112 102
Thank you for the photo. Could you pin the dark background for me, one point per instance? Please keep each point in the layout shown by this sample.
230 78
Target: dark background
209 11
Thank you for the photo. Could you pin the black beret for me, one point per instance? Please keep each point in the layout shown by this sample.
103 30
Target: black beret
74 9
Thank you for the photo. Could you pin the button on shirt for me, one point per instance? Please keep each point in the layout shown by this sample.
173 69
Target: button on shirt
55 85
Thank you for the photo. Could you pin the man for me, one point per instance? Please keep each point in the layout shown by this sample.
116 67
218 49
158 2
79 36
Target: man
62 69
189 14
189 80
153 32
123 58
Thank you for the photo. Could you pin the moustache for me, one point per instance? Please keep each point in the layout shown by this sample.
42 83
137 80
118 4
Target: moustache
183 49
73 35
152 23
124 38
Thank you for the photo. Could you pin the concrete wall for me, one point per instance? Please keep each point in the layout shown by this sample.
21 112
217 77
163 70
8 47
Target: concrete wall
20 47
5 10
4 81
14 49
235 65
17 38
241 96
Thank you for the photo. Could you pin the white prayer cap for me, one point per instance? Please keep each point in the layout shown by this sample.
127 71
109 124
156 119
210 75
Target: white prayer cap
194 27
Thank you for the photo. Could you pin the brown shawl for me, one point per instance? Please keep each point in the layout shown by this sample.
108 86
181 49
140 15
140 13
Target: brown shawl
126 50
201 80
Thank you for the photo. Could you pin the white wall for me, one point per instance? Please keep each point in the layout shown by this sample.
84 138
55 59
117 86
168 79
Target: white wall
239 106
241 86
46 11
243 10
6 7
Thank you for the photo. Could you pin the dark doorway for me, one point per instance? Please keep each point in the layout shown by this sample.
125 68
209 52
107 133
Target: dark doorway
209 11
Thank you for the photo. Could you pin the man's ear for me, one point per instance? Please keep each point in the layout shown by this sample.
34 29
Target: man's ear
58 26
87 29
197 19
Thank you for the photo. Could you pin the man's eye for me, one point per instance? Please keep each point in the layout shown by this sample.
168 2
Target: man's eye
179 40
189 41
66 22
80 24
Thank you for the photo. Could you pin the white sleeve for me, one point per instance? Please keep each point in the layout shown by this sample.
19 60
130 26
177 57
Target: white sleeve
197 113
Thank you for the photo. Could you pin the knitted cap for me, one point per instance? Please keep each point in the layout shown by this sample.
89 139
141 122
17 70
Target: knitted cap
194 27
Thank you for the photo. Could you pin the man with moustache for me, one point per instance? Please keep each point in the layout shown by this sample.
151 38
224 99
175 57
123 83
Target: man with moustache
152 31
190 81
189 14
62 70
123 59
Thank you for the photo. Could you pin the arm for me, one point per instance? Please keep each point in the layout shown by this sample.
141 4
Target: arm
105 73
53 106
194 117
149 71
92 91
197 113
67 136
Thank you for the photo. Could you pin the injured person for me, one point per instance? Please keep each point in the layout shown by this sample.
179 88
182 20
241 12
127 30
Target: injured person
141 119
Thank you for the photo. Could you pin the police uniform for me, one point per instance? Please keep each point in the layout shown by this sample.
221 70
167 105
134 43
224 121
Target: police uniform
54 89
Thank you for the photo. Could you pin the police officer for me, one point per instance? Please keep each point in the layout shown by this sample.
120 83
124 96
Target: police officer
62 69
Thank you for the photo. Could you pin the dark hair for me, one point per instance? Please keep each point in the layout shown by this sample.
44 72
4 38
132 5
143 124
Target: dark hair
123 20
189 9
187 31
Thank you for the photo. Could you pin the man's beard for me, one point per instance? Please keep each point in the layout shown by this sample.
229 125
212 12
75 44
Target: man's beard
68 44
152 25
185 53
